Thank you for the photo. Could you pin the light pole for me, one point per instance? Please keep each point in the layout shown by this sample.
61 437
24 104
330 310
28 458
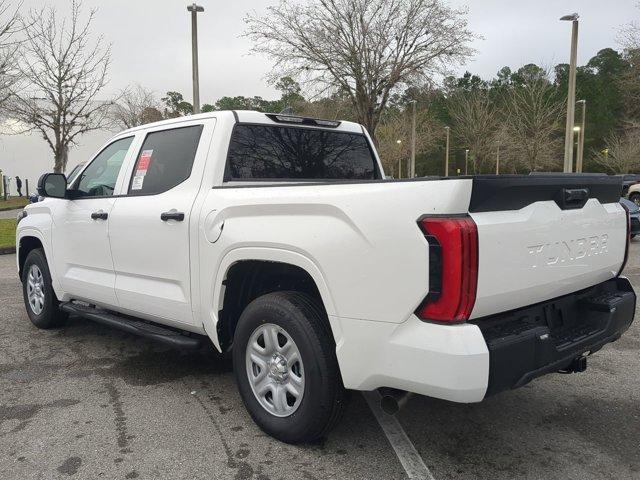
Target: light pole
576 140
194 9
399 142
466 162
446 155
412 169
571 93
498 160
581 136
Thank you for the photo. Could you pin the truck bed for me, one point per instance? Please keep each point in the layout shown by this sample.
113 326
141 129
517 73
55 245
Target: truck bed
539 236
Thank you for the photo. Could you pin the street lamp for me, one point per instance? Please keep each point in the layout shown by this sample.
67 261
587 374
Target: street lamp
195 9
446 155
571 92
399 142
583 103
412 168
466 161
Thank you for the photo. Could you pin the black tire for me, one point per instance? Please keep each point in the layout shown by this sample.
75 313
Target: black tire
50 316
633 235
635 198
324 395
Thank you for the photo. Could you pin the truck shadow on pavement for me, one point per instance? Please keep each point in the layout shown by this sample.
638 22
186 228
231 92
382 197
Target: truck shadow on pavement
138 361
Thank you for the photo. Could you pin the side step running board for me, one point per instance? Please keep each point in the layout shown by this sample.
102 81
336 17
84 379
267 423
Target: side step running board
165 335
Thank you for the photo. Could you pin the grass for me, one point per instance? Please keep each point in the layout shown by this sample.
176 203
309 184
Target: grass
13 202
7 232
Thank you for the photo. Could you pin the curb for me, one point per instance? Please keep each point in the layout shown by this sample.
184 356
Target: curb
7 250
5 208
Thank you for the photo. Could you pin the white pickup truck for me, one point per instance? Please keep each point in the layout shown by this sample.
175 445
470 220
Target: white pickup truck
279 239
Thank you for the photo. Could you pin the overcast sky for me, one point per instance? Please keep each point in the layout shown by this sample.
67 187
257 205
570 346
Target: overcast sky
152 46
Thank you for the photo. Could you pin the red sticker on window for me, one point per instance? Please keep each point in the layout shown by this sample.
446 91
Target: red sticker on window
145 160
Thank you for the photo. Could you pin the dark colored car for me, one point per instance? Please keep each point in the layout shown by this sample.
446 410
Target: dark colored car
634 213
628 180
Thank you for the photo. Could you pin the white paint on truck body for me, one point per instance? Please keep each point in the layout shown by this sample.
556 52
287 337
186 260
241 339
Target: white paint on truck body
359 242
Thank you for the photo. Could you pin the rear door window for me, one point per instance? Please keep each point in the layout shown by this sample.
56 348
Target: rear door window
165 160
275 152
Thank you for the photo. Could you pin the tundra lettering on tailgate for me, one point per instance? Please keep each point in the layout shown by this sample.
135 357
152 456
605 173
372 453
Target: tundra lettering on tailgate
563 251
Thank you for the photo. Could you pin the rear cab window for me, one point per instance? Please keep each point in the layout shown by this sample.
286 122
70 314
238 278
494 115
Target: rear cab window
275 152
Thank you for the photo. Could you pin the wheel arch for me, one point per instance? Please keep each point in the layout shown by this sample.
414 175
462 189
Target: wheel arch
246 273
29 238
27 242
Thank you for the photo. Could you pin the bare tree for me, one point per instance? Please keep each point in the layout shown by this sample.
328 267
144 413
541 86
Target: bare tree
394 138
532 120
629 34
629 39
334 107
10 42
136 106
622 154
475 124
64 71
363 49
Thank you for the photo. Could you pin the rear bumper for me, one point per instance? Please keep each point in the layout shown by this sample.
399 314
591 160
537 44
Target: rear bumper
450 362
547 337
466 362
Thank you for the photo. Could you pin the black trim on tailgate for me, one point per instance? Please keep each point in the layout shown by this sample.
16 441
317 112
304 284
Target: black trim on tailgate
513 192
551 336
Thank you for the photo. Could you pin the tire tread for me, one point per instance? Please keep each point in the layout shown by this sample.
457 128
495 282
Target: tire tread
323 329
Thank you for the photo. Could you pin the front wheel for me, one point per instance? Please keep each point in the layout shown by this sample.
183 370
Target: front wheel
286 368
39 297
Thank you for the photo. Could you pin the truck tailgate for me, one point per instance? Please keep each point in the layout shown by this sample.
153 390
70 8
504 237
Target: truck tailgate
541 237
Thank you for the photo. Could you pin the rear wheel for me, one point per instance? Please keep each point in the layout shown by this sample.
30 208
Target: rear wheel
39 298
286 368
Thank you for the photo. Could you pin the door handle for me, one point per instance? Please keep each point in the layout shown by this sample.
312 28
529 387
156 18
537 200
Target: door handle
99 215
172 215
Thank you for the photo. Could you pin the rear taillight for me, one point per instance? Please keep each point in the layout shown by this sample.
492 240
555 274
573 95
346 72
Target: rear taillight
453 268
626 250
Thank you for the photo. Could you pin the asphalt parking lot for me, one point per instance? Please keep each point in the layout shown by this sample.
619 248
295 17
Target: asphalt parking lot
88 402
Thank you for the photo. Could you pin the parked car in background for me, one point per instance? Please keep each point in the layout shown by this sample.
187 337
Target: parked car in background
633 193
634 216
71 176
627 181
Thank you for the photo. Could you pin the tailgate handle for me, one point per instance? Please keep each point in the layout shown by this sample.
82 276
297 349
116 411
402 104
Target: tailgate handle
575 197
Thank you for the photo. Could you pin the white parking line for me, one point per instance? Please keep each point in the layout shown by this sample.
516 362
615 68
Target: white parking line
406 452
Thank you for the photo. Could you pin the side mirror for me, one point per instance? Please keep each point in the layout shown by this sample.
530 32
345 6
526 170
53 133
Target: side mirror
52 185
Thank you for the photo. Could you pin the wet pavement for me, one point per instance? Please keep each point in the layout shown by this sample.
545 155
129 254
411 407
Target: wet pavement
88 402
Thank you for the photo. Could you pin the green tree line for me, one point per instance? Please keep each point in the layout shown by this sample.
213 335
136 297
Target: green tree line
517 116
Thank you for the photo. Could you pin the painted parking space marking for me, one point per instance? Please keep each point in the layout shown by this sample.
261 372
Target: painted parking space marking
407 454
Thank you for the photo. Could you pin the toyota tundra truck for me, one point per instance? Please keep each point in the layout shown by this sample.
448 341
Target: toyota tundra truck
278 239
